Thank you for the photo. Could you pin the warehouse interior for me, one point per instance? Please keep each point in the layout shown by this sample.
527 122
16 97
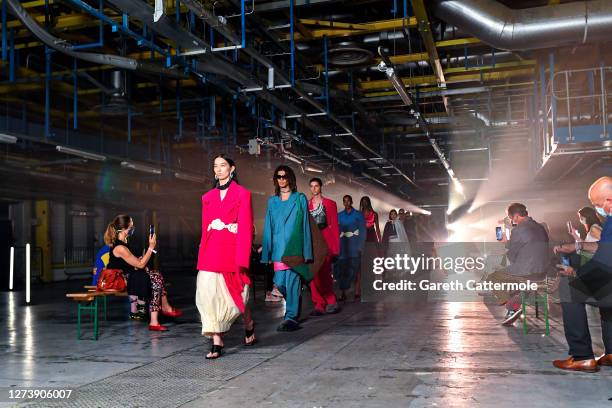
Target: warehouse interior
450 109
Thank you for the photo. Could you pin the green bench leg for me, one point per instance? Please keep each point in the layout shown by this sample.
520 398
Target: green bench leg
105 308
92 308
78 320
95 316
546 314
537 299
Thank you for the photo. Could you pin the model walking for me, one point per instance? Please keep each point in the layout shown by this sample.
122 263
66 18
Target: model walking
223 259
287 213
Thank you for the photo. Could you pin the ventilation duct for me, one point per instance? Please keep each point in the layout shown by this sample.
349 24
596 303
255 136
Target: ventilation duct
533 28
60 45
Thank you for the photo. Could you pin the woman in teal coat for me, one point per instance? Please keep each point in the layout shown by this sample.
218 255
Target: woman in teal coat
287 214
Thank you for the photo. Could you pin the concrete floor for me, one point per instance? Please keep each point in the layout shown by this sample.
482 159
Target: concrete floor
446 354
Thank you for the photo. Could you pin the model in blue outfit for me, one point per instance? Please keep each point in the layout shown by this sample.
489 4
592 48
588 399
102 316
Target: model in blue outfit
282 214
352 239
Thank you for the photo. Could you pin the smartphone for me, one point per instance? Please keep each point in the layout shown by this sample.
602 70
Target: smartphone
499 234
569 227
151 229
565 260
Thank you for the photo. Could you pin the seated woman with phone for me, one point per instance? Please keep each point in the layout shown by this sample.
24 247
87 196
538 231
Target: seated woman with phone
143 283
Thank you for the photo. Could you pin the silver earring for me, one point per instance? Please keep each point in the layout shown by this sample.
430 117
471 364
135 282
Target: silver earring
216 177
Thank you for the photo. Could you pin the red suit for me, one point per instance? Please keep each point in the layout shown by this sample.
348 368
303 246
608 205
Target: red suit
322 286
226 249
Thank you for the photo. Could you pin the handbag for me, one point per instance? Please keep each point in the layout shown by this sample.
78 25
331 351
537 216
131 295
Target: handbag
112 280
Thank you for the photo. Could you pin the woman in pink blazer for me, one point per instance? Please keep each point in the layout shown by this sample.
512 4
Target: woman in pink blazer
224 255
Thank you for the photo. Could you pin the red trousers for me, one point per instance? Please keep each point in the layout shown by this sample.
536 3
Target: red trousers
322 286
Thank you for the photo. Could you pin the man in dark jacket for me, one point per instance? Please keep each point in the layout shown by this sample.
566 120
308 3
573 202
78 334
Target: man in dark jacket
529 257
590 283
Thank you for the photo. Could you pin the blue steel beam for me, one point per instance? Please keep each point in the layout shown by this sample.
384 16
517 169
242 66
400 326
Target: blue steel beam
325 56
74 95
4 39
100 42
292 42
122 28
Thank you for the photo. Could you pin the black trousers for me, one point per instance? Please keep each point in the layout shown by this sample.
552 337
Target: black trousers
576 328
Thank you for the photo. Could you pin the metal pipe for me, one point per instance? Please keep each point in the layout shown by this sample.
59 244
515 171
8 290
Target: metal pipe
326 74
59 44
532 28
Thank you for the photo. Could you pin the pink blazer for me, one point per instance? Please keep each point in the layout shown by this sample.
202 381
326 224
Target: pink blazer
222 250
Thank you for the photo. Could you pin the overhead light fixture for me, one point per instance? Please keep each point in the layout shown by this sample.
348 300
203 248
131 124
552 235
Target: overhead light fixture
314 169
141 167
190 177
7 139
80 153
292 158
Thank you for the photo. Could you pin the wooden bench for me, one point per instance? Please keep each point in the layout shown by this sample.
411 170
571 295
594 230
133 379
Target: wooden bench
88 301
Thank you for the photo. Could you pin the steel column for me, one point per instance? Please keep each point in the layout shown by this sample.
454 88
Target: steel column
292 34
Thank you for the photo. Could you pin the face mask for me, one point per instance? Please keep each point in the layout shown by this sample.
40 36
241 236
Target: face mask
601 212
130 231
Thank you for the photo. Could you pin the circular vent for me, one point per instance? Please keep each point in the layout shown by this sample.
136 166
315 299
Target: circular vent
349 56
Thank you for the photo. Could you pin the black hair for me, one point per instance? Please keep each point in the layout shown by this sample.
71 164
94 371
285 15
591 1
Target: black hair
365 204
316 179
591 217
290 179
233 175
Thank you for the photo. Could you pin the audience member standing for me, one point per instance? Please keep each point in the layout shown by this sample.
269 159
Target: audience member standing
591 280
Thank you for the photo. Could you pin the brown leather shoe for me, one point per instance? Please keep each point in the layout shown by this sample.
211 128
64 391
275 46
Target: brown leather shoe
605 360
589 366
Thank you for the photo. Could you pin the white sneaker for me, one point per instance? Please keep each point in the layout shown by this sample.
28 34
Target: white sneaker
271 298
276 292
511 317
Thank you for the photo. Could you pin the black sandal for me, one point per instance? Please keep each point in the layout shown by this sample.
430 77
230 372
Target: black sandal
248 334
215 349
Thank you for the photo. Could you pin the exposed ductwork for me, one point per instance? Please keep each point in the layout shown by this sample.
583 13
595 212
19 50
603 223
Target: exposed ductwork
533 28
61 46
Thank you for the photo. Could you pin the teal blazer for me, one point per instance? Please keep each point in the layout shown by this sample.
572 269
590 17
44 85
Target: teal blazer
278 226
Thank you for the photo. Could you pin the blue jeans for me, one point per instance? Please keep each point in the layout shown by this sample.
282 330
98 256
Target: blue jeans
289 284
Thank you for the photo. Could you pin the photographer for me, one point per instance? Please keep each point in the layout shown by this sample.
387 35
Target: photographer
527 251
